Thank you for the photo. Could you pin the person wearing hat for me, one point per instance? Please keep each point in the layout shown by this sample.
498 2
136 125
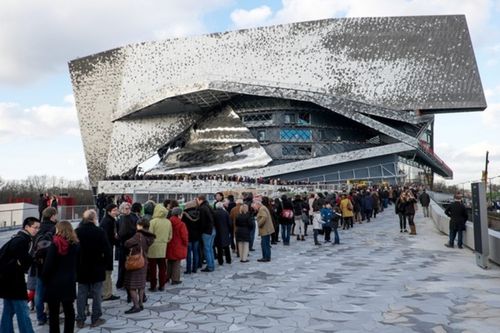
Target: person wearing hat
458 216
265 224
177 247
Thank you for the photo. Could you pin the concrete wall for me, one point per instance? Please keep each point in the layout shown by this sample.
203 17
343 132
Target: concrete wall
12 215
441 221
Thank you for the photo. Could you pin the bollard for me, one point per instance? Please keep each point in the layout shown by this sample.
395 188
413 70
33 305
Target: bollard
480 221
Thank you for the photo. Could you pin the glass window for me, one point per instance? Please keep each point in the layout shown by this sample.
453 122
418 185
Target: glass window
259 117
261 135
296 150
289 118
295 135
304 119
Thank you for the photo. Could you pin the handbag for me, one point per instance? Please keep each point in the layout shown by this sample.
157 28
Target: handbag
135 261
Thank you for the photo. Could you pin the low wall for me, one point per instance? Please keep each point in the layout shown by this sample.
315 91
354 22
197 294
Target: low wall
441 221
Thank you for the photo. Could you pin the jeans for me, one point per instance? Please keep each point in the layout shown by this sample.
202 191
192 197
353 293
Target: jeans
94 291
285 233
315 235
208 249
19 307
402 221
193 252
336 236
265 244
327 231
453 234
385 202
39 296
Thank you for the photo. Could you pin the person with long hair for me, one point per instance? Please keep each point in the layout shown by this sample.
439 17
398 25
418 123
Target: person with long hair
59 276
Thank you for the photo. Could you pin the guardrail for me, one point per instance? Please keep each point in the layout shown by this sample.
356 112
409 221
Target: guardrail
441 221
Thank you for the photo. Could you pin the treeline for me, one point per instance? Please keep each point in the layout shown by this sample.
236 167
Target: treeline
31 187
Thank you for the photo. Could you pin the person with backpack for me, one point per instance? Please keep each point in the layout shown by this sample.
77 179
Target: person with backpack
59 277
41 245
15 260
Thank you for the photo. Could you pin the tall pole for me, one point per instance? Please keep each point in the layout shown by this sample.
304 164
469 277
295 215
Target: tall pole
485 179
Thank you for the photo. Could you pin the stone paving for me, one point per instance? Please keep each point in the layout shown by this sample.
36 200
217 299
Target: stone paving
376 280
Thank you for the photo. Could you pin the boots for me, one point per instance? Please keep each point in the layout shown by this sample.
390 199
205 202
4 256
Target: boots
413 230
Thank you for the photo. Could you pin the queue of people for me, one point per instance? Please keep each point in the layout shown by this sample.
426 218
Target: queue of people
149 241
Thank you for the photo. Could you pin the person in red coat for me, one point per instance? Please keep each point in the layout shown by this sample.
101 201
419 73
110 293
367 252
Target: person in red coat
177 247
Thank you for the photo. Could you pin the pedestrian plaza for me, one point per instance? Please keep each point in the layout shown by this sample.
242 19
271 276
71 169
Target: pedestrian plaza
376 280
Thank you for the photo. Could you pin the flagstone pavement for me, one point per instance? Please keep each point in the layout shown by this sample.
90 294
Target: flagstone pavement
376 280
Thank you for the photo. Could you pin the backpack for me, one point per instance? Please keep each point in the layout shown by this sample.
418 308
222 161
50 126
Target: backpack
287 213
41 245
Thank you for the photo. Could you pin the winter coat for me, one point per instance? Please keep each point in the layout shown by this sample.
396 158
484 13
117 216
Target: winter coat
344 207
409 207
94 254
298 207
206 218
126 227
108 224
177 247
400 206
190 218
458 215
264 221
59 271
425 199
327 217
285 204
19 260
317 221
367 202
142 239
161 227
244 226
223 227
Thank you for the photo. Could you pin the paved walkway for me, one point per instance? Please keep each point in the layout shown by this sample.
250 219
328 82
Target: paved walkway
377 280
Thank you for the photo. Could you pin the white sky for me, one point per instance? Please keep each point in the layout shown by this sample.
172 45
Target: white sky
39 132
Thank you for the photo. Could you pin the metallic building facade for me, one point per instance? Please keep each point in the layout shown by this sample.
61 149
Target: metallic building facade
322 101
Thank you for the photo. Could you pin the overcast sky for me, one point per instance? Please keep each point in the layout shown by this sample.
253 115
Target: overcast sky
39 132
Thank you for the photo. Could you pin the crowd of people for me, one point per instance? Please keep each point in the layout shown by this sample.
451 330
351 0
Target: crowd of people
205 177
150 240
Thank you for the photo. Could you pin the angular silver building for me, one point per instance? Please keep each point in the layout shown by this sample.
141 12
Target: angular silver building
321 101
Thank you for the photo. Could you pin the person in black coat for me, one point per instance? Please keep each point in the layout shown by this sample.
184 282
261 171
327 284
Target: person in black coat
94 254
458 216
59 277
108 224
190 217
16 260
243 223
208 232
223 227
126 226
425 200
